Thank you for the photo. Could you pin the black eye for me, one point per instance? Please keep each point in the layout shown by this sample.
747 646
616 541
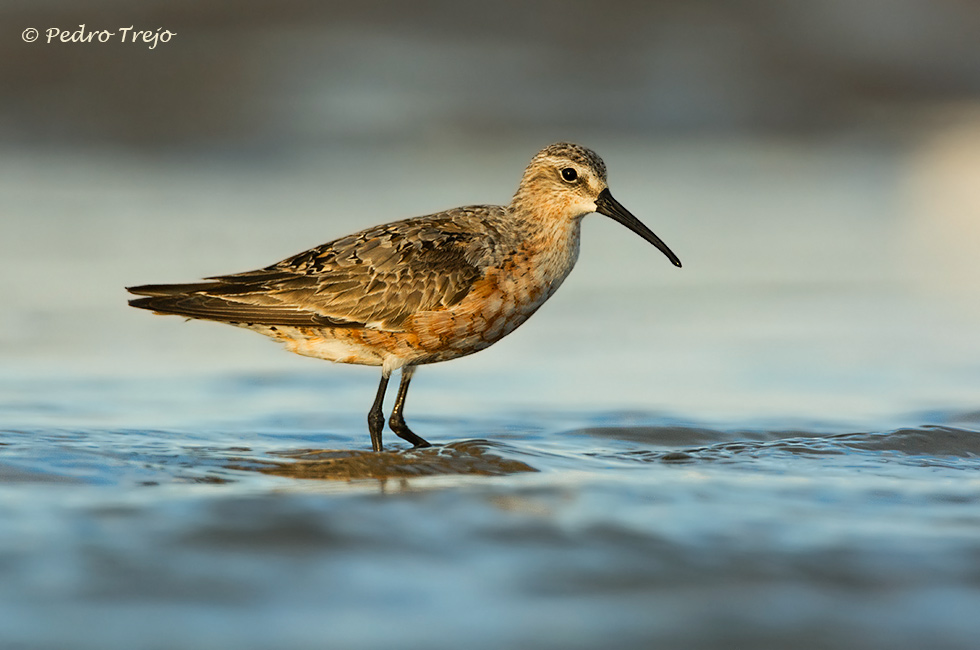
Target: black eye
569 174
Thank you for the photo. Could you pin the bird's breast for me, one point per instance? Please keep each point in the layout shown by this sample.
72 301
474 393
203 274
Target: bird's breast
501 300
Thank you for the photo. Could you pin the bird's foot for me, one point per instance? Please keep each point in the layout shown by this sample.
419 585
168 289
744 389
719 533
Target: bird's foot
401 430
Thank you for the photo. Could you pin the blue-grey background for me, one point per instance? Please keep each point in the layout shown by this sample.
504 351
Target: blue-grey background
774 446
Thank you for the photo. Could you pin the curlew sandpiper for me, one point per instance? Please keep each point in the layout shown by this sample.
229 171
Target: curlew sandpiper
421 290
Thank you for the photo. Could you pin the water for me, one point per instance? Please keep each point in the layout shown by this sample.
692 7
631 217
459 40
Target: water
777 446
621 528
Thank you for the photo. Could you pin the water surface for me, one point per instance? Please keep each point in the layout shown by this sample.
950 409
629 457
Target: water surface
777 446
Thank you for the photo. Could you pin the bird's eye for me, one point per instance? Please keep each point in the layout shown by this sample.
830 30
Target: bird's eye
569 174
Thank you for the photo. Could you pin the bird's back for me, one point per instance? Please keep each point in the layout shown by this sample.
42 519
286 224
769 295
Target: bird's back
376 278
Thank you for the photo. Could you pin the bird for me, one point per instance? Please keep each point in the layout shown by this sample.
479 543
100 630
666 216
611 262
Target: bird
421 290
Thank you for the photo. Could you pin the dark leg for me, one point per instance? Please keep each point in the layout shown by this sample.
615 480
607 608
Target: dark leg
397 421
376 419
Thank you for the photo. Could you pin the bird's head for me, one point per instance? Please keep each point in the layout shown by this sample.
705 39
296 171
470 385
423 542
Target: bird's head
568 181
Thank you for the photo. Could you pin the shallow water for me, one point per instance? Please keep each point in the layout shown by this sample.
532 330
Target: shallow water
625 528
776 447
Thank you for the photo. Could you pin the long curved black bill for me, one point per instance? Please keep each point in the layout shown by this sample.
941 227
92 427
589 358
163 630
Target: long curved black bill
607 205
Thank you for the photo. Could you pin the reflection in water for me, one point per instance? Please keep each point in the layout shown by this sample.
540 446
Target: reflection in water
476 457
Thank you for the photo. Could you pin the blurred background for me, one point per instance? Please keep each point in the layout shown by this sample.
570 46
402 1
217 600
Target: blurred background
646 463
262 78
814 165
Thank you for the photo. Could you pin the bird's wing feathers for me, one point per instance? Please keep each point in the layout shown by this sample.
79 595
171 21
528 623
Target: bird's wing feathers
376 278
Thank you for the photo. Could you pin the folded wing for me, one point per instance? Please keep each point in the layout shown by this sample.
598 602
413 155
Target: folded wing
376 278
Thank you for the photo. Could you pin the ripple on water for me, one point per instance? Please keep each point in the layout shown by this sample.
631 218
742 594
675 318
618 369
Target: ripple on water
154 457
623 532
927 446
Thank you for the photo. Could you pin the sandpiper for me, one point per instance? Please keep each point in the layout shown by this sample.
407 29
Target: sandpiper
421 290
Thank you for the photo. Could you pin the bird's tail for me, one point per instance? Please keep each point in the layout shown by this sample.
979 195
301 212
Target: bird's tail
229 299
176 299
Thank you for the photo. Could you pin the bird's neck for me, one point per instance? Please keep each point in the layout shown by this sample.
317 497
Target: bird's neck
545 220
551 240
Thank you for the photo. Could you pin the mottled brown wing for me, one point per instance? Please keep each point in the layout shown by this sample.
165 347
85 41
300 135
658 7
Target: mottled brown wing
376 278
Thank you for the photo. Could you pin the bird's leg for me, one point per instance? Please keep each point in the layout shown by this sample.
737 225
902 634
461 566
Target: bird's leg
397 421
376 419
